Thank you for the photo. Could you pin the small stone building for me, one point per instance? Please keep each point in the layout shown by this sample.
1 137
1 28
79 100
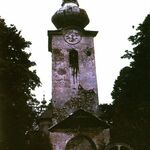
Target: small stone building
72 122
79 130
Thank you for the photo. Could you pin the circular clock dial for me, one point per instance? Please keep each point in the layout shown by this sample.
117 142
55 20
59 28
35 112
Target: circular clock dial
72 36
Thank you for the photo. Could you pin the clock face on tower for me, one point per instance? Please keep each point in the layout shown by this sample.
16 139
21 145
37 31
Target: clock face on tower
72 36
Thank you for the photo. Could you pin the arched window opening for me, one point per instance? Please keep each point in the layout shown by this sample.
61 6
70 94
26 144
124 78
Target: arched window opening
79 142
74 62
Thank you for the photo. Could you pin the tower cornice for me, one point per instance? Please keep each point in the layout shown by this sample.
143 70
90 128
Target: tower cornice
60 32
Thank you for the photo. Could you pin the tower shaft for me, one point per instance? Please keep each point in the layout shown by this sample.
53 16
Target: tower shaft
73 60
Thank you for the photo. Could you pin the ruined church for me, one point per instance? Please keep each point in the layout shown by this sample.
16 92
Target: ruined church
72 122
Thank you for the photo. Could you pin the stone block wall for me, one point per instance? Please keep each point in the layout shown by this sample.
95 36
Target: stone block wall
65 82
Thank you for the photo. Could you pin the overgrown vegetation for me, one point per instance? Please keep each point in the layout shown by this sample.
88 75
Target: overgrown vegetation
131 93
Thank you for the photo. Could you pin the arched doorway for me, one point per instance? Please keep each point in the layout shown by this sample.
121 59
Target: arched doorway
80 142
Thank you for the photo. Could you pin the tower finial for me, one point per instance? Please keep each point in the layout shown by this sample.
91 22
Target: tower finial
43 101
70 1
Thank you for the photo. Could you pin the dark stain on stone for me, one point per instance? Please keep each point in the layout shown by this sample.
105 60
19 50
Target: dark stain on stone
61 71
58 55
88 51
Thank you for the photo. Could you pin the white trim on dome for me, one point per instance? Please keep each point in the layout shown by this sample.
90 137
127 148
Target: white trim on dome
66 5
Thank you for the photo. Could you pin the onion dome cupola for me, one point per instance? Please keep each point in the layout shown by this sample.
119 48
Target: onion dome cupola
70 15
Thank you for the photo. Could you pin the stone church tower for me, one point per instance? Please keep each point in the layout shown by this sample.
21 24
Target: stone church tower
73 60
73 116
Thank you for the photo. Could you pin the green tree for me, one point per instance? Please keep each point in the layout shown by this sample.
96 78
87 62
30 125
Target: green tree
17 81
131 93
105 112
39 141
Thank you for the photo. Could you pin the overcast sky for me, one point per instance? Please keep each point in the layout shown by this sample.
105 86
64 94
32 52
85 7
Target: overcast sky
112 18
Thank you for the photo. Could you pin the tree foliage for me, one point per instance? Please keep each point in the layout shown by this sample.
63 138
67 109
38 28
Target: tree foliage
105 112
16 84
39 141
131 93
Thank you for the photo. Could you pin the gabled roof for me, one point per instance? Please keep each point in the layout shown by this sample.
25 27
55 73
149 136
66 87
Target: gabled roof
80 119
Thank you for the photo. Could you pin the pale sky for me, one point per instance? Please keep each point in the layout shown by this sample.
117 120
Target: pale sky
112 18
